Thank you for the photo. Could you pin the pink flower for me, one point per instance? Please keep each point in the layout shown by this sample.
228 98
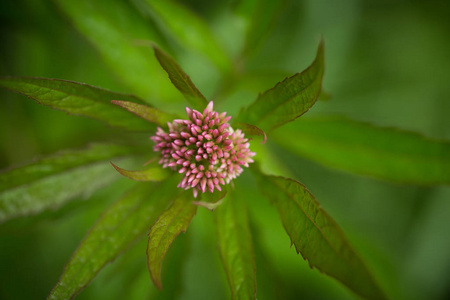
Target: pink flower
204 148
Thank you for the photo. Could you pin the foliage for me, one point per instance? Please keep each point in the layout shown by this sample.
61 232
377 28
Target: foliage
147 46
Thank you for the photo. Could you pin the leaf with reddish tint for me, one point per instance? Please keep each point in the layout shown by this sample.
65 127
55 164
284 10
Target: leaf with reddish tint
181 80
236 248
50 182
169 225
288 99
317 236
120 226
156 173
78 99
146 112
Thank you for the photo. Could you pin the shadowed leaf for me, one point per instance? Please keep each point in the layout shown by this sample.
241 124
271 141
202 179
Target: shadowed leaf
189 30
317 236
51 181
77 99
289 99
119 226
156 173
236 248
181 80
168 226
361 148
145 112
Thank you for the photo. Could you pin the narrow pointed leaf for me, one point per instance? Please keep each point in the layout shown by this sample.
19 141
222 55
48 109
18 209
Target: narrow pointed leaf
113 27
236 248
120 226
146 112
51 181
317 236
251 130
287 100
154 173
168 226
77 99
181 80
361 148
189 30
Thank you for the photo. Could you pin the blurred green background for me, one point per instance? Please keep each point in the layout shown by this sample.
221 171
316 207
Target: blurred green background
387 62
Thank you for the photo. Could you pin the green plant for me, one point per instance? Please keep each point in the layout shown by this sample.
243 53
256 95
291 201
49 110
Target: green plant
157 205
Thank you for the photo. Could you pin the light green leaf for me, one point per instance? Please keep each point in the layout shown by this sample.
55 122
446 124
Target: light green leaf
168 226
317 236
236 248
189 30
121 225
77 99
361 148
154 173
181 80
145 112
289 99
114 28
50 182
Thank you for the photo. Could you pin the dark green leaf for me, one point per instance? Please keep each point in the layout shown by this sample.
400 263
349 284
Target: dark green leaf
189 29
154 173
365 149
181 80
114 29
119 227
51 181
168 226
77 99
145 112
236 248
317 236
289 99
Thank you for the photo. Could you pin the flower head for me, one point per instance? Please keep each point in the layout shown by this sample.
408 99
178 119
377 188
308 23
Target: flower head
204 148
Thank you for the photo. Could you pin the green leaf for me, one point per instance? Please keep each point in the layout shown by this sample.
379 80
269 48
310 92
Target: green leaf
361 148
154 173
236 248
289 99
77 99
147 113
119 227
251 130
168 226
189 30
263 15
181 80
50 182
212 201
317 236
114 28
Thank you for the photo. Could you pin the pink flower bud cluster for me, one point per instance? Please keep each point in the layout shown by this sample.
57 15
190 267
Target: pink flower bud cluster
204 148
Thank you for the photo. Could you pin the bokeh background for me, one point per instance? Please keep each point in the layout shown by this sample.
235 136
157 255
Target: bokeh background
387 62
